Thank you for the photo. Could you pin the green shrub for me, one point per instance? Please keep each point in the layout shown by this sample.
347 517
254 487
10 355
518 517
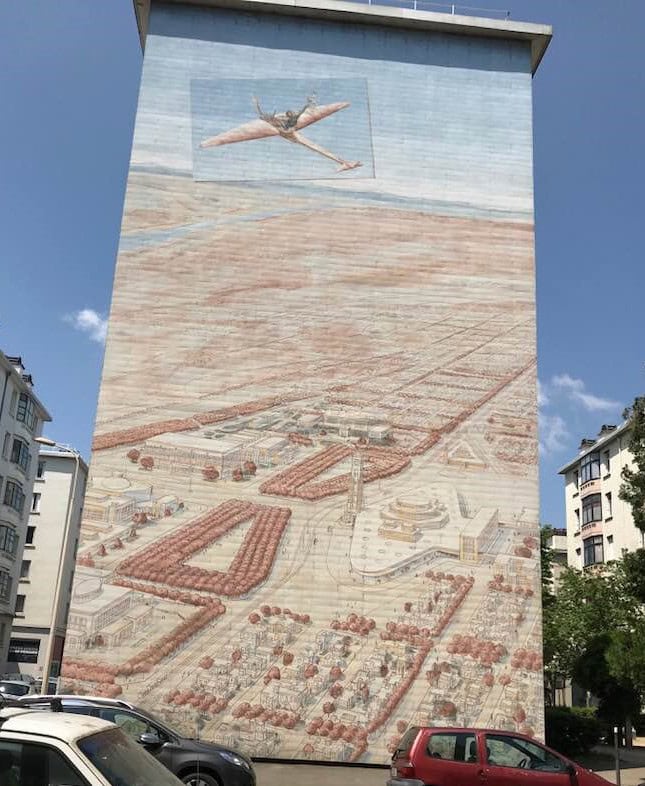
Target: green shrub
572 730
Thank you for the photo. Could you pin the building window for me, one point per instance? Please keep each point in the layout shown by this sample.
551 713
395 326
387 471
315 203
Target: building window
31 531
576 478
20 604
6 444
607 462
609 505
577 512
41 469
20 455
591 509
5 585
14 496
590 467
8 540
23 650
27 411
25 567
35 502
593 552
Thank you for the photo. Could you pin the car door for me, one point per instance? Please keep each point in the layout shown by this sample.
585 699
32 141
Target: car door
449 758
515 761
133 726
27 763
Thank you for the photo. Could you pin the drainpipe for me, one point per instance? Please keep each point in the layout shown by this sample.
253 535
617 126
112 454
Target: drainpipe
7 374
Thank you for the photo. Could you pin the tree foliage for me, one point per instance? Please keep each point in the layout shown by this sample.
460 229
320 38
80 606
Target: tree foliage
632 490
546 566
594 633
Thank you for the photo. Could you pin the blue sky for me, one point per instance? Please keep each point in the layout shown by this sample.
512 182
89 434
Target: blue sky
70 80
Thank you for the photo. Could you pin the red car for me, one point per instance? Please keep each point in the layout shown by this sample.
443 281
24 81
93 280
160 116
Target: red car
481 757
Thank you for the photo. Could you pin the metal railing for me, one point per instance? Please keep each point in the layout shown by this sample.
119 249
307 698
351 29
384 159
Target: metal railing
442 8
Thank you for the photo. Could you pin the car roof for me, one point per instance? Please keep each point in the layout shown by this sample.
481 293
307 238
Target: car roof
464 730
61 726
45 698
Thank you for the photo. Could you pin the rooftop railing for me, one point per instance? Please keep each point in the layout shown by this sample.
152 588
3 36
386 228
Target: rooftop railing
442 8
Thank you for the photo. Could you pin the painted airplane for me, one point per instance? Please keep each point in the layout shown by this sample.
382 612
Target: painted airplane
286 125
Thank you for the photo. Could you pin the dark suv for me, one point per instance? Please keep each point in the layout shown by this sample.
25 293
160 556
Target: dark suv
194 762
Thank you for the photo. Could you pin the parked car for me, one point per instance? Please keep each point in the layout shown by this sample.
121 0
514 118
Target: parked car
14 688
481 757
195 762
65 749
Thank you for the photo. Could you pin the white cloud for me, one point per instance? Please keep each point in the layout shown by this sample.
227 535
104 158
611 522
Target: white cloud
577 392
595 403
554 434
90 322
542 394
566 382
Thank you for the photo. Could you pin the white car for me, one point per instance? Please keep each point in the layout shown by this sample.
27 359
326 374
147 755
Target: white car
62 749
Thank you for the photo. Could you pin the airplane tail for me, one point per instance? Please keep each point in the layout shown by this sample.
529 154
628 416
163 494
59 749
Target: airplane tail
349 165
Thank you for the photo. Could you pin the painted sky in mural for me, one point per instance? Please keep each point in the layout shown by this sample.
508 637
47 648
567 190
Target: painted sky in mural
312 514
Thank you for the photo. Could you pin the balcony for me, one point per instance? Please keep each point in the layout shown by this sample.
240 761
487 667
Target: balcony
590 487
593 528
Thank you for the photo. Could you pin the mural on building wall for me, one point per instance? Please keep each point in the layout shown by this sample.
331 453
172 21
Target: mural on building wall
312 514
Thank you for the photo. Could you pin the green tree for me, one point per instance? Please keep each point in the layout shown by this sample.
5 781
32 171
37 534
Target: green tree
546 565
587 629
632 490
618 697
585 603
631 571
625 656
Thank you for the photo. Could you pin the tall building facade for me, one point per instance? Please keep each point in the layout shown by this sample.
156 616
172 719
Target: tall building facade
47 568
21 420
323 310
600 527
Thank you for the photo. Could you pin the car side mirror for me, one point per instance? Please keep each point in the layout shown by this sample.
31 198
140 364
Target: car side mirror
149 738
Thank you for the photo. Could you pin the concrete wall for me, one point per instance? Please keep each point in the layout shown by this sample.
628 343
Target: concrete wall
61 486
360 290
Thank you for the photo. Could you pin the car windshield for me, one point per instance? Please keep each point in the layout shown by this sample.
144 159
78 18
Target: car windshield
123 762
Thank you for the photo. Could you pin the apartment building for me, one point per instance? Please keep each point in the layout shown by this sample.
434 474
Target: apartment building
21 420
599 527
38 632
557 542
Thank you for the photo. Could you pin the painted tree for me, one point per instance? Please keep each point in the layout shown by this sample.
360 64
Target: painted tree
210 473
133 455
147 462
632 490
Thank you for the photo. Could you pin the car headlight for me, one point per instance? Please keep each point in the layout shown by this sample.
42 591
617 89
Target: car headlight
233 758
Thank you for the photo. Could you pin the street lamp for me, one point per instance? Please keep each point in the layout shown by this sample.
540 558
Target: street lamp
49 652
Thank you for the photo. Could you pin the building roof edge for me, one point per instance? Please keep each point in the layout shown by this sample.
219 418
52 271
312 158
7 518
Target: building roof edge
539 35
598 443
6 364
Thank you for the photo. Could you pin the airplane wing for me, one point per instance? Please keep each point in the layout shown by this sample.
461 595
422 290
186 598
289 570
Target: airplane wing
260 129
254 129
316 113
